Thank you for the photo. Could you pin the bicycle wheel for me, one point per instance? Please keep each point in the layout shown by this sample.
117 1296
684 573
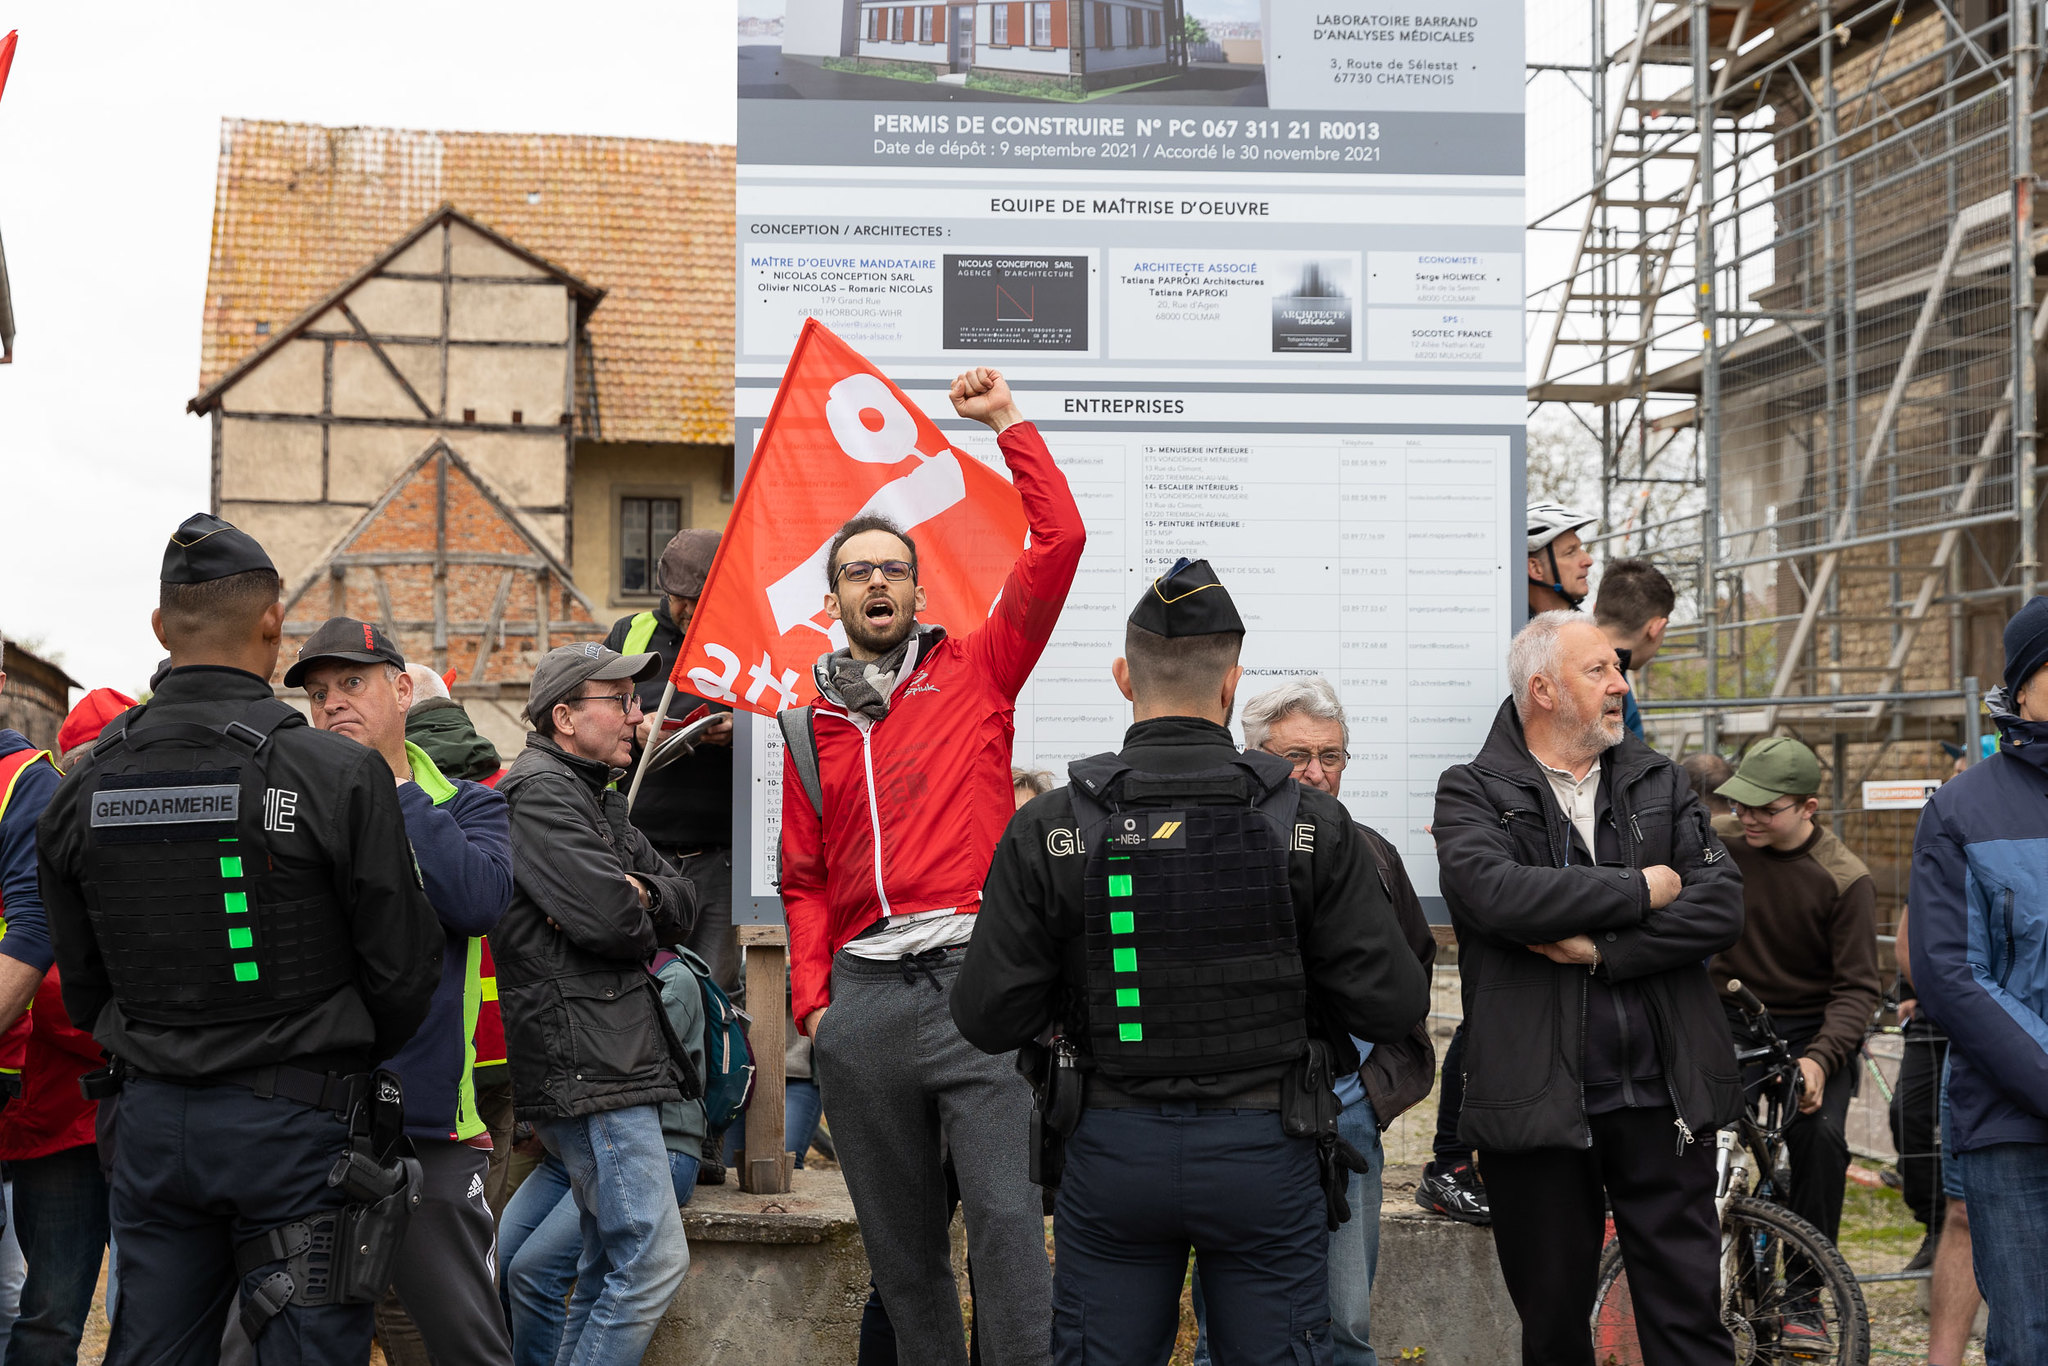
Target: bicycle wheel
1783 1278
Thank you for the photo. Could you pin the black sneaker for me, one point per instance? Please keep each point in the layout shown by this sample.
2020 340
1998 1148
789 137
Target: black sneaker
1924 1258
1455 1193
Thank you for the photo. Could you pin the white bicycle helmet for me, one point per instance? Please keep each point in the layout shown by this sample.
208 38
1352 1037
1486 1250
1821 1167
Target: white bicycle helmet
1548 521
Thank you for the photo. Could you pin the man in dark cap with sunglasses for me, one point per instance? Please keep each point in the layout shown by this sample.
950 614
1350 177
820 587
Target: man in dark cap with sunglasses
1204 936
240 924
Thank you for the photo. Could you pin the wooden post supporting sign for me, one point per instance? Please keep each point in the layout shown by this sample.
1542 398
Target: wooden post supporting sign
765 1169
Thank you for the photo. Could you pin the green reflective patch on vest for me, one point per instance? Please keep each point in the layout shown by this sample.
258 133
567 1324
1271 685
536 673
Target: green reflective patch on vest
231 867
1119 884
241 937
238 902
245 972
1130 1033
1124 960
1122 922
638 634
1127 997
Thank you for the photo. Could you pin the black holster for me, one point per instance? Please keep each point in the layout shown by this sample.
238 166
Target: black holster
1055 1080
343 1256
1309 1109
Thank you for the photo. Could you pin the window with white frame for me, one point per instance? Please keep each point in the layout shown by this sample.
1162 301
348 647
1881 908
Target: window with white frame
1041 23
999 25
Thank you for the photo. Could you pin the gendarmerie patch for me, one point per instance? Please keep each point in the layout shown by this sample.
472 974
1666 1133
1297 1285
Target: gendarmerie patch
193 804
1148 830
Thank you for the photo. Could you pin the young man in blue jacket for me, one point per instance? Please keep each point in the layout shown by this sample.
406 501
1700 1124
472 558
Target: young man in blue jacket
461 835
1979 959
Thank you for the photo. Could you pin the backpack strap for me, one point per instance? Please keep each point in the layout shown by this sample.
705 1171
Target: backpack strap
800 737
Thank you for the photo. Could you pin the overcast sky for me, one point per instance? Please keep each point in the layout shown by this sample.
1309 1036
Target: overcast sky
109 134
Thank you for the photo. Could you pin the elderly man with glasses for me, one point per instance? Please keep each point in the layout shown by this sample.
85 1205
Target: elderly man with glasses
593 1058
1809 952
1303 722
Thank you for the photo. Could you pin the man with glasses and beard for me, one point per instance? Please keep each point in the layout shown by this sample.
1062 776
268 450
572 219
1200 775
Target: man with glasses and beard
1588 893
1809 952
895 792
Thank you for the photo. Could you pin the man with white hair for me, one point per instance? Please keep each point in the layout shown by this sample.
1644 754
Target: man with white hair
1303 722
1588 891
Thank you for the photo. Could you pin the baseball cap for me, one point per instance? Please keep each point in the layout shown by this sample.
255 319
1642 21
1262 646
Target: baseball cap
566 668
343 638
1773 768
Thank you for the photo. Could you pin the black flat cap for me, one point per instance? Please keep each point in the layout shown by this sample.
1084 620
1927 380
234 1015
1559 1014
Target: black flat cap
205 548
358 642
1187 600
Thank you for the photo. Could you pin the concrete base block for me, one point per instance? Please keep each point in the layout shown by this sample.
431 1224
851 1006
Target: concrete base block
773 1279
1438 1288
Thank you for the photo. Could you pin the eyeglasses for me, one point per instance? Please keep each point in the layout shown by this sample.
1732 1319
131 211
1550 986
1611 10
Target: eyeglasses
1330 759
626 701
1762 813
860 571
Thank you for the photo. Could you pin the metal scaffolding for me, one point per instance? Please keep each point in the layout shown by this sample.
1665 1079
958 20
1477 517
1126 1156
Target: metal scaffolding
1799 317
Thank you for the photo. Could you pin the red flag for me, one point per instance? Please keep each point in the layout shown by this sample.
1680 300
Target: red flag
7 56
840 440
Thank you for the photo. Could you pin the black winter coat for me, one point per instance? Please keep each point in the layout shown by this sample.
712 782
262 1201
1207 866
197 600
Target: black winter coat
584 1026
1502 843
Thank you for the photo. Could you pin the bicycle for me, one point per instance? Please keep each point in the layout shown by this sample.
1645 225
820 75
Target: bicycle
1780 1276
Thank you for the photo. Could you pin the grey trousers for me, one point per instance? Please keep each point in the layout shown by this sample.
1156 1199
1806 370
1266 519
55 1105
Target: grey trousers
713 938
903 1089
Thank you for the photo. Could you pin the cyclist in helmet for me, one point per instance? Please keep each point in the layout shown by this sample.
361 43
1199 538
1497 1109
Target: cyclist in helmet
1558 558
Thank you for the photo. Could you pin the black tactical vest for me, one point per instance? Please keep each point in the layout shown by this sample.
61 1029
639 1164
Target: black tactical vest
195 923
1193 965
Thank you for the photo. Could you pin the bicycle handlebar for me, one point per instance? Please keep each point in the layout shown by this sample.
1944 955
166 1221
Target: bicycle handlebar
1745 998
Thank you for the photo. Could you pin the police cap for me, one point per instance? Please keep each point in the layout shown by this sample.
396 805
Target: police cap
566 668
1187 600
344 638
206 548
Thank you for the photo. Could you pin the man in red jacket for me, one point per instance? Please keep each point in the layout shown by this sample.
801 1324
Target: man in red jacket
913 736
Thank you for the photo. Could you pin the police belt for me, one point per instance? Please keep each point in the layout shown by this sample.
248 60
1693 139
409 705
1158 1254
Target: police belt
318 1090
1103 1095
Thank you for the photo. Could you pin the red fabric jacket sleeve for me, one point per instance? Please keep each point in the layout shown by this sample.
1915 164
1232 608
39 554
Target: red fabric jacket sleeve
803 898
1007 645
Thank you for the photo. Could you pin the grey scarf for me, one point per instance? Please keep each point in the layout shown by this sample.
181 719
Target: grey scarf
864 686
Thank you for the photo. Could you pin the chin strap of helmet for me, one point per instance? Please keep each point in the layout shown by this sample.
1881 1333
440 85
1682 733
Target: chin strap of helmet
1556 584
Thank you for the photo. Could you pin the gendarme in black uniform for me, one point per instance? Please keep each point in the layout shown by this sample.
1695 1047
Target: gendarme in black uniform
1192 922
238 920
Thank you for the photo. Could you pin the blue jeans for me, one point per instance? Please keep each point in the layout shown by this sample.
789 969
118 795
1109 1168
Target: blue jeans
801 1107
1354 1251
632 1251
2005 1247
540 1242
60 1202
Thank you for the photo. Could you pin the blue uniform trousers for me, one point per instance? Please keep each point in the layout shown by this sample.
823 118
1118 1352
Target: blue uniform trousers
1142 1187
197 1170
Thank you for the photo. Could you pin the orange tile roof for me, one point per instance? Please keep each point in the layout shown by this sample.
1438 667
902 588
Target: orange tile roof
299 208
